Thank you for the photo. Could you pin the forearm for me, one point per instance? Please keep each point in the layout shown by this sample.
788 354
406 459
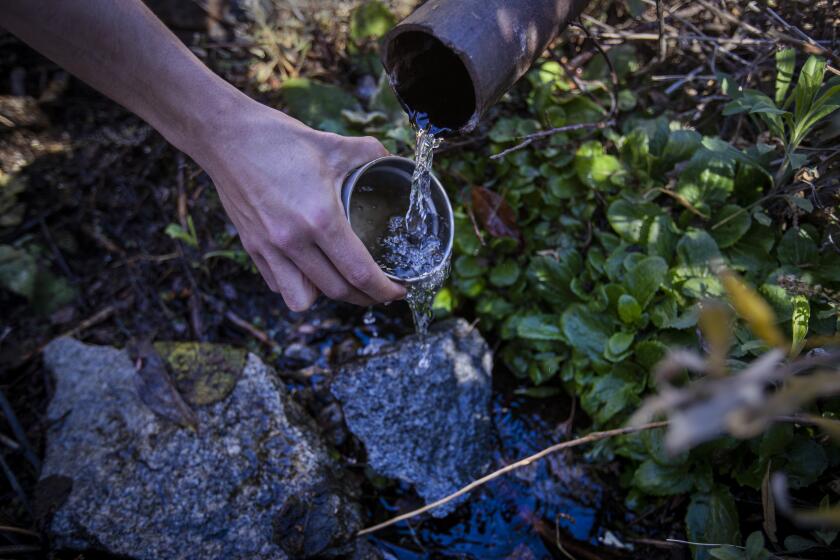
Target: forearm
121 49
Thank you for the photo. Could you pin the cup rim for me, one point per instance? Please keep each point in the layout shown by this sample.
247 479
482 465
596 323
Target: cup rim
448 207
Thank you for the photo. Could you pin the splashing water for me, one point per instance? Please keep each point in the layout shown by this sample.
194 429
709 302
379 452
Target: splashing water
411 247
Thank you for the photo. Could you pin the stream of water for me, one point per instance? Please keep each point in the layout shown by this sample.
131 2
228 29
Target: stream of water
411 247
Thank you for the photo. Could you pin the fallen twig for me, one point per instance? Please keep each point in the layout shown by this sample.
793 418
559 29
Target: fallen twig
220 307
607 121
19 531
13 482
19 432
100 316
251 329
589 438
526 140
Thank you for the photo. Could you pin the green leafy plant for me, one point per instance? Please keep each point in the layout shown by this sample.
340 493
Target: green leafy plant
187 235
589 258
23 272
791 115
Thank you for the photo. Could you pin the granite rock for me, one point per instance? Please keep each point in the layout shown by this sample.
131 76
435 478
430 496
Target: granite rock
245 484
421 408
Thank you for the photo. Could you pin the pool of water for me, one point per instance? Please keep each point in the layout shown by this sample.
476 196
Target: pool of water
521 514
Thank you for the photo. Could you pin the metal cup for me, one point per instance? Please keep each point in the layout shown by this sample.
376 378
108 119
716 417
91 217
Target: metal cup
379 190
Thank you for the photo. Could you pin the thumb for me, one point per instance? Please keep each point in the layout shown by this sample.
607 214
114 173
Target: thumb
362 150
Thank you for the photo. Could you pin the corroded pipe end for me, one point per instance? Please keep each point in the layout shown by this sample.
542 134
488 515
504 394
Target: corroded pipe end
453 59
431 78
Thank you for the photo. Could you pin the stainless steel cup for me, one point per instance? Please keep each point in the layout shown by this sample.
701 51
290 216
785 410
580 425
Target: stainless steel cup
379 190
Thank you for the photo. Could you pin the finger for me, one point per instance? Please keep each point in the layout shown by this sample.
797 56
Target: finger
353 261
265 271
297 291
318 269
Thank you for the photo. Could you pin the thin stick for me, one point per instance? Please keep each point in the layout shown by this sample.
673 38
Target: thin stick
251 329
544 133
18 431
19 531
13 482
589 438
663 41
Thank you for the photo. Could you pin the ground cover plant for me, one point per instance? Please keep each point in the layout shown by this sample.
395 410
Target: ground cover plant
584 254
593 254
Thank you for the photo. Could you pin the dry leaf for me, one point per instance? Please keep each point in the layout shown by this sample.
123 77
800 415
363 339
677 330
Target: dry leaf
156 388
494 213
753 309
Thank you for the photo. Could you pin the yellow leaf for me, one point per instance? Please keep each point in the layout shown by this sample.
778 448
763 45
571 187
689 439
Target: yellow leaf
714 323
753 309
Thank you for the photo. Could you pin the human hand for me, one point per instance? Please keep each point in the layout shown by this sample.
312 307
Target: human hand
280 183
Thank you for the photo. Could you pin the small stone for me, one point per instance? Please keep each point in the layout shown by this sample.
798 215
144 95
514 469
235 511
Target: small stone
421 408
301 353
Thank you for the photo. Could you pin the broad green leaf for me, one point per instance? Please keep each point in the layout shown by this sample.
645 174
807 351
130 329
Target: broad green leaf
21 274
645 278
631 221
585 331
756 103
495 306
470 287
619 342
512 128
538 326
629 310
821 108
661 480
785 65
795 544
712 518
552 277
807 460
751 254
799 324
504 274
798 248
624 60
18 271
810 80
611 394
469 267
648 353
315 102
594 167
444 301
708 178
466 241
755 546
51 292
775 440
735 222
370 20
696 252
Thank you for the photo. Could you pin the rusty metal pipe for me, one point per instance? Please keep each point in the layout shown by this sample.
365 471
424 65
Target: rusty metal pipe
451 60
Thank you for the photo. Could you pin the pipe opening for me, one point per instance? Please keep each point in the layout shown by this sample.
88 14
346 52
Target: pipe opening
431 81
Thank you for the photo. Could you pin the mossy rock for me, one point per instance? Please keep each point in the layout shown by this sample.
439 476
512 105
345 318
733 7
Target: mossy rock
204 373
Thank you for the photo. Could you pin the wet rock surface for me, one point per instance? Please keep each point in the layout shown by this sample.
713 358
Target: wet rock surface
421 408
246 484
